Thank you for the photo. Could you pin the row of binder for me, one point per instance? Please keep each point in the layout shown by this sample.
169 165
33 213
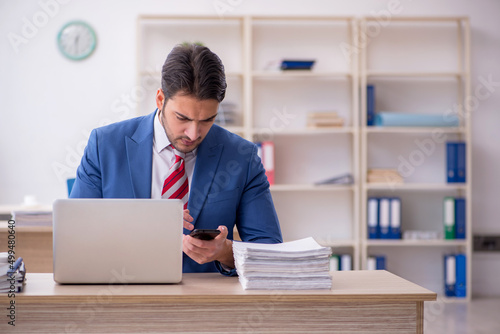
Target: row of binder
340 262
455 275
376 262
455 162
454 218
384 218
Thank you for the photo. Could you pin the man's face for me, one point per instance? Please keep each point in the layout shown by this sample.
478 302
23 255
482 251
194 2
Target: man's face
186 119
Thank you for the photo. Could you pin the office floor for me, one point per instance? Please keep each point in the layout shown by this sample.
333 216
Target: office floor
480 316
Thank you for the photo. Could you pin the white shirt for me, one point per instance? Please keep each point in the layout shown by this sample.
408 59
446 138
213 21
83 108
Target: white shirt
164 158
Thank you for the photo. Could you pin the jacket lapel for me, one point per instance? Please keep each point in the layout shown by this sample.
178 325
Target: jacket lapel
140 157
207 161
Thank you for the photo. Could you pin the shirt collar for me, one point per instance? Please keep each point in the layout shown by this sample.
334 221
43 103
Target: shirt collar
160 139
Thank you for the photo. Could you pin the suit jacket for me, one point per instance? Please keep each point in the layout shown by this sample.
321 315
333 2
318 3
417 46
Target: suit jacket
229 186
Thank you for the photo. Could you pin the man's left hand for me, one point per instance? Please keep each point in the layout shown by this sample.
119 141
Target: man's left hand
204 251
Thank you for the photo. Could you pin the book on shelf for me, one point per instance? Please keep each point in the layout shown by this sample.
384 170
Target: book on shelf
407 119
345 178
299 264
370 105
384 218
324 120
454 218
384 175
296 64
455 162
265 150
455 275
376 262
12 274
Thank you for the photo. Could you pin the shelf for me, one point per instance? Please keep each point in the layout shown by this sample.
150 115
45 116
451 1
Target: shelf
400 129
311 187
416 243
409 74
299 74
305 131
415 186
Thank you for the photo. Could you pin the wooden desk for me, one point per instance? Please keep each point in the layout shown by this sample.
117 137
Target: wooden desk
360 301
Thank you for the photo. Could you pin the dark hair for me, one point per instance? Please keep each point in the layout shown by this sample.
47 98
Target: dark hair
192 69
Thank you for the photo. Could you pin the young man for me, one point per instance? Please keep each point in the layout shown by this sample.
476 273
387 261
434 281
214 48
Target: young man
177 148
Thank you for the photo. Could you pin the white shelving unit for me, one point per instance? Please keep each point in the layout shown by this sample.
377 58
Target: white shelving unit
416 65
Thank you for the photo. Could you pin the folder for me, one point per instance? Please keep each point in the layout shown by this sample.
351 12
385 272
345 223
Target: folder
370 105
384 217
461 276
460 162
380 262
451 160
373 226
460 218
449 275
371 263
334 262
449 217
268 160
345 262
395 216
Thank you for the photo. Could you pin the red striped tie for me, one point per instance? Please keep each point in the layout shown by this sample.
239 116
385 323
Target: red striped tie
176 184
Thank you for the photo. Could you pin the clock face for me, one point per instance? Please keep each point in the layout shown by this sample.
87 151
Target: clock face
76 40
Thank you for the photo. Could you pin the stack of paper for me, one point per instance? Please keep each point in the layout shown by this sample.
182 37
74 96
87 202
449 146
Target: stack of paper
300 264
324 119
12 274
384 176
32 217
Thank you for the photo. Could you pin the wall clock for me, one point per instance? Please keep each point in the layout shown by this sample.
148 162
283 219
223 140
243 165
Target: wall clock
76 40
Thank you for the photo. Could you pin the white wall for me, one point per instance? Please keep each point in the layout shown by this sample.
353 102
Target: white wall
49 104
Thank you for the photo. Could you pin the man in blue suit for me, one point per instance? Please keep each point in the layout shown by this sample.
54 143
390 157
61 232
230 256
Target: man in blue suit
227 182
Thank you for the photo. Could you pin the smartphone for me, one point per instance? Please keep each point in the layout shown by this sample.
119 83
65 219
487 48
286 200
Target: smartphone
204 234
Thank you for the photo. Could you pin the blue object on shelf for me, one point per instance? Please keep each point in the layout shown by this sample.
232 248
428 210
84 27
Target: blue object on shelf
370 105
418 120
297 64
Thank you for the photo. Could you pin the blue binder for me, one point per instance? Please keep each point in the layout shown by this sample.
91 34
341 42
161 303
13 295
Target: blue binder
370 105
395 216
380 260
373 218
451 160
450 278
460 218
461 276
385 217
461 162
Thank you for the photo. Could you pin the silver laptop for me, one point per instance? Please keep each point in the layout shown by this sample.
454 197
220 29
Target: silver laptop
117 241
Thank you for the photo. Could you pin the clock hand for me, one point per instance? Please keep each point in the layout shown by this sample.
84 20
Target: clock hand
76 43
